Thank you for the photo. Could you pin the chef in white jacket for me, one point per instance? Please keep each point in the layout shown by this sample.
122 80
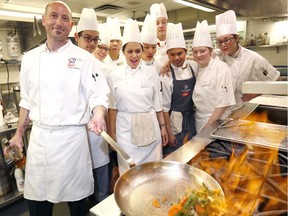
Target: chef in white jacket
87 37
115 57
136 88
244 64
149 39
177 91
213 91
158 11
60 87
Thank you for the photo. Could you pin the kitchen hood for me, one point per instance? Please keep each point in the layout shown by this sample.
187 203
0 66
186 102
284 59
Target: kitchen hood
250 8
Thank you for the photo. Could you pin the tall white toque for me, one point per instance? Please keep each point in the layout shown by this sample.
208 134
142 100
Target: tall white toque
131 32
114 28
104 34
149 30
175 37
88 20
158 10
202 35
226 23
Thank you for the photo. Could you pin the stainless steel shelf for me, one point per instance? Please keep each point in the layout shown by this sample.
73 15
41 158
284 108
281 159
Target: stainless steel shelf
10 197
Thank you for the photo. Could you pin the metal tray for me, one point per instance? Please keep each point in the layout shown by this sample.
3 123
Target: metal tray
255 133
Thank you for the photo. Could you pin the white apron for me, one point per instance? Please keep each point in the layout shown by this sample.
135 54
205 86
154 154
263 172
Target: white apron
135 95
99 150
60 170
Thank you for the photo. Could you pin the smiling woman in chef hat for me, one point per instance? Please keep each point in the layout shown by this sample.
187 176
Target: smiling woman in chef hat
213 91
102 49
245 65
87 35
140 127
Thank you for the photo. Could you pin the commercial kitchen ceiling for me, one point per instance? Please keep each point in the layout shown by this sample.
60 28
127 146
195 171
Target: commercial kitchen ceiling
137 9
122 9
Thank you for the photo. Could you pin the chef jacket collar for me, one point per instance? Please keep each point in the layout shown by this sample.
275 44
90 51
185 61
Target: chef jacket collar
235 55
161 43
129 69
46 49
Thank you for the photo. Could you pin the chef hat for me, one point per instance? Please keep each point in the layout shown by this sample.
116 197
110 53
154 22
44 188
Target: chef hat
88 20
175 37
202 35
114 28
149 30
104 34
131 32
158 10
226 23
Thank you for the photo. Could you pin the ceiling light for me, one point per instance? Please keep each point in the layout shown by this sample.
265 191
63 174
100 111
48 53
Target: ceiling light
30 16
190 4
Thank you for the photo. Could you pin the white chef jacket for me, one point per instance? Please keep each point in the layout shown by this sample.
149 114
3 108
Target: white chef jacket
98 146
155 63
181 73
213 89
60 89
161 56
247 65
115 63
136 91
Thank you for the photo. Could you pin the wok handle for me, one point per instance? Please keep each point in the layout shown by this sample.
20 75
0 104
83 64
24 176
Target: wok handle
119 150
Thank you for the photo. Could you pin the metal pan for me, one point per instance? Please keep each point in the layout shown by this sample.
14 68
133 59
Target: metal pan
164 181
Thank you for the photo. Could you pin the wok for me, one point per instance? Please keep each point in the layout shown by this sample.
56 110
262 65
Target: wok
164 181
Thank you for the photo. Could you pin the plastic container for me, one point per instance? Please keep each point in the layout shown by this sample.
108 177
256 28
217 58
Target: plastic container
19 176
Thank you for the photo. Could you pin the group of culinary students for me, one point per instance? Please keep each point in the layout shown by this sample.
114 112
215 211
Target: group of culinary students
159 99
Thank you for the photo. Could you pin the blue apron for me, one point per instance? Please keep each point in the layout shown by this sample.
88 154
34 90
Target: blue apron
182 102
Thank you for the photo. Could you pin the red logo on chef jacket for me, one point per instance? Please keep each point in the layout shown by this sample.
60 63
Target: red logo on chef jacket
186 91
71 62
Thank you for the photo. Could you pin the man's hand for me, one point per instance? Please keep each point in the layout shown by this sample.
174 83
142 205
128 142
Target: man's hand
98 123
165 69
15 141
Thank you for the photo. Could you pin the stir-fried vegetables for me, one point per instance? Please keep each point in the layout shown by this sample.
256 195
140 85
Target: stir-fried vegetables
199 202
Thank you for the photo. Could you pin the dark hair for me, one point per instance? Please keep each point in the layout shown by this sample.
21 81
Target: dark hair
124 46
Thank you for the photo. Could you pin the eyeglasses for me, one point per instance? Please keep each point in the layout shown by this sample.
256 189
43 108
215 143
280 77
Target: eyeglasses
102 48
88 39
225 41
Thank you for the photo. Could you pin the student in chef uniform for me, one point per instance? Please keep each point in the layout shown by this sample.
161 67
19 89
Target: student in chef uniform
115 57
245 65
136 89
158 11
149 39
87 37
102 49
213 91
58 93
177 90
